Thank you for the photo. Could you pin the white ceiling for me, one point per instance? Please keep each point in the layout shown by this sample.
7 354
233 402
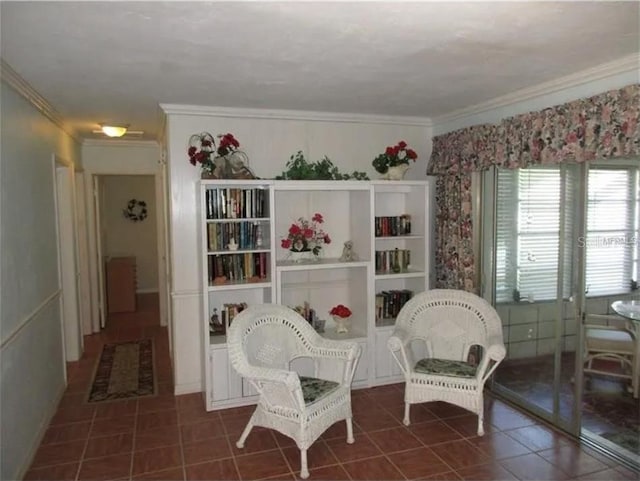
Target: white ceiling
116 61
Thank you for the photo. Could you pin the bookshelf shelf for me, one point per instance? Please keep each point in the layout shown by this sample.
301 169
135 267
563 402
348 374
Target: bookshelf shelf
355 211
399 275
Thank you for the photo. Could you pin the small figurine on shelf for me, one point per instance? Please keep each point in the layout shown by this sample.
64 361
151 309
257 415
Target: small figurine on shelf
348 254
233 246
258 235
215 326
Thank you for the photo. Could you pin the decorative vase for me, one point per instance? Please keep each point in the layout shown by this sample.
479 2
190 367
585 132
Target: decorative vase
207 175
342 324
396 172
302 256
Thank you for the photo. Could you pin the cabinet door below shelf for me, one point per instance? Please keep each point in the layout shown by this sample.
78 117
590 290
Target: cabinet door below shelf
386 367
225 382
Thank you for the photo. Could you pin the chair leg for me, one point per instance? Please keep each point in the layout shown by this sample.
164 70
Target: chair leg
406 420
480 424
304 471
245 433
350 439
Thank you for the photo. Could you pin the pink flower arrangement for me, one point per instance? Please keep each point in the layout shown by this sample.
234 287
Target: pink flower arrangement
305 235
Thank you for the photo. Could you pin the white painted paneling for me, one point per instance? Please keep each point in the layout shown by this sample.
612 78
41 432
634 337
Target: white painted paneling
187 359
31 345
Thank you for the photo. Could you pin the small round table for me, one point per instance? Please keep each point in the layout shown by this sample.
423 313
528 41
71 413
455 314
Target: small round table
630 310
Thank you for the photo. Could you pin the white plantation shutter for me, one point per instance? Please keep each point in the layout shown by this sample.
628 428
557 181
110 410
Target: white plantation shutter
612 230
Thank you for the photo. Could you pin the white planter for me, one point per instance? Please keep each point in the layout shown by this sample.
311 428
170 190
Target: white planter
396 172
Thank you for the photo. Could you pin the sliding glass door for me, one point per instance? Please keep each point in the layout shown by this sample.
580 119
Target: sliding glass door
535 284
560 242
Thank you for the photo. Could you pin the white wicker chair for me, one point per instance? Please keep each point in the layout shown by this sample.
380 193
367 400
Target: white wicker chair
612 338
447 324
262 342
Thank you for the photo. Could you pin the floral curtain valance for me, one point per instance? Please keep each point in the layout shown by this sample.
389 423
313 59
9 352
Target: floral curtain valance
603 126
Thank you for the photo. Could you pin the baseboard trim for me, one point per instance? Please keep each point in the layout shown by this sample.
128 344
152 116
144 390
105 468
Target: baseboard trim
189 388
41 432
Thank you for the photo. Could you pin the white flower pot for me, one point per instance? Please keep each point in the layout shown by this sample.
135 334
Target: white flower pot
342 324
396 172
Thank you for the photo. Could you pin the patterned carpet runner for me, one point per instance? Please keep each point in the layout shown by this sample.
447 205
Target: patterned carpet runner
125 370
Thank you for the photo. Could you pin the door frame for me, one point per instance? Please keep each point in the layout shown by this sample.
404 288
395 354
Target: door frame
68 262
121 166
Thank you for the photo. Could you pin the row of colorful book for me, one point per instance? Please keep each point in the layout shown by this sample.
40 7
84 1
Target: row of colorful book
390 226
248 266
389 303
230 203
395 260
246 234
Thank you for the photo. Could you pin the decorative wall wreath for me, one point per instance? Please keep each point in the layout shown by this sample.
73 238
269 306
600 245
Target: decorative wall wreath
136 210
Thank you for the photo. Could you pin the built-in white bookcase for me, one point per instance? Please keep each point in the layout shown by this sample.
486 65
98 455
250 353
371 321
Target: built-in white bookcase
351 211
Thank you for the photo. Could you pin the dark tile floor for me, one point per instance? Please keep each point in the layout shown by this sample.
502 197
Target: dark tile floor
173 438
608 409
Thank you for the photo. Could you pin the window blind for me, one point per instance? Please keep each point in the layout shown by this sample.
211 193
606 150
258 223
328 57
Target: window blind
529 204
611 231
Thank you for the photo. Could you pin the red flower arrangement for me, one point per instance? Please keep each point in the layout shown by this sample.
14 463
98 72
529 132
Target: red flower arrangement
202 149
306 235
396 155
340 311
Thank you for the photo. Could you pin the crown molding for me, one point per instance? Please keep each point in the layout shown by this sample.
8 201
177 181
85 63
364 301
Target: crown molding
176 109
119 143
42 105
630 63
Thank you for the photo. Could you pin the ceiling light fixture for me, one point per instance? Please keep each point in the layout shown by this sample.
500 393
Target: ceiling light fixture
114 130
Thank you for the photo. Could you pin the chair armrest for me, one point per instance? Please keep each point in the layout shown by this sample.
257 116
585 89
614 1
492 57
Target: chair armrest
264 374
496 349
398 340
344 350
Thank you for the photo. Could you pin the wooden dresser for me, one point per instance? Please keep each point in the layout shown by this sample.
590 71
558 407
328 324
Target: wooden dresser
121 284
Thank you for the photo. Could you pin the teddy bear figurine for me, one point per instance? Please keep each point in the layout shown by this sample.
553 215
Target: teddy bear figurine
348 254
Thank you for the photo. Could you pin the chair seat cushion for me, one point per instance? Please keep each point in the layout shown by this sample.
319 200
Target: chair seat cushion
314 389
445 367
609 340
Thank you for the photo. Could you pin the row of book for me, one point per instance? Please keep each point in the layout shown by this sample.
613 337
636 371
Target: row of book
390 226
248 266
246 234
389 303
230 203
220 322
396 260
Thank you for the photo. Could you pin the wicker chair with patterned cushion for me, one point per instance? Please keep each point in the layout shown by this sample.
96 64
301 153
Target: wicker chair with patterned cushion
444 326
263 340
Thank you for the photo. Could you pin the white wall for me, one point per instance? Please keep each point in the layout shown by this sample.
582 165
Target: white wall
31 353
123 237
269 139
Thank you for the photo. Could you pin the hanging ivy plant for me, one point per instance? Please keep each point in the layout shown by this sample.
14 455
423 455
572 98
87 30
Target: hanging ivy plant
136 210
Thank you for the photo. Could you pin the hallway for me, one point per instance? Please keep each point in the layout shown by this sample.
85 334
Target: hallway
165 437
